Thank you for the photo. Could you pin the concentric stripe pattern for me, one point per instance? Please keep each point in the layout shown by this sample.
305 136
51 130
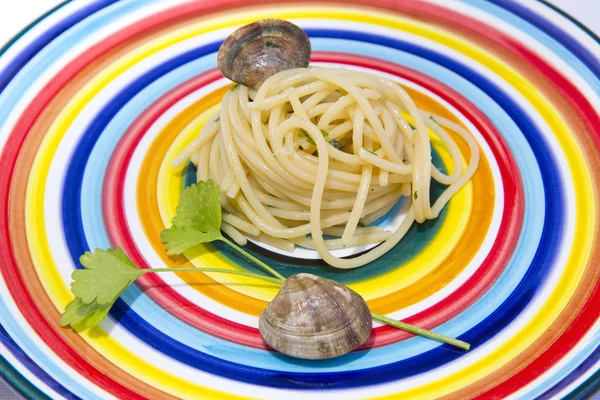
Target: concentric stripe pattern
99 96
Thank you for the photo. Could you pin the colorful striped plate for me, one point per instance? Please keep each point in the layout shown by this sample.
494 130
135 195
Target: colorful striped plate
98 96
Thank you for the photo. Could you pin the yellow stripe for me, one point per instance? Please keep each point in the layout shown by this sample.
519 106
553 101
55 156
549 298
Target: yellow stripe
59 292
585 217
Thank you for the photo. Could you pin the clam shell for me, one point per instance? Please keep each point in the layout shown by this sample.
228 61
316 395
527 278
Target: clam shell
259 50
315 318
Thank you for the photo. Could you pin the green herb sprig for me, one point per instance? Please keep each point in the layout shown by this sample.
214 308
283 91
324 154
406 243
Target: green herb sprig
108 273
303 135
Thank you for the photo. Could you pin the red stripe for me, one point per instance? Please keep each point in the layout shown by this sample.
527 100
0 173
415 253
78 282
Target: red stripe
12 148
194 315
120 234
588 315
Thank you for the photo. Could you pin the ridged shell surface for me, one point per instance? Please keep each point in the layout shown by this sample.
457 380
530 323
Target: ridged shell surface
315 318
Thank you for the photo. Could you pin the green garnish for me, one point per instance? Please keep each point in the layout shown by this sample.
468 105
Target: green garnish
416 195
433 119
271 45
421 332
232 88
332 142
197 219
360 224
108 273
372 152
303 135
83 316
335 144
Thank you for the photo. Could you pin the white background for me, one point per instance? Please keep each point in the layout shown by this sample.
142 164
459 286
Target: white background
16 15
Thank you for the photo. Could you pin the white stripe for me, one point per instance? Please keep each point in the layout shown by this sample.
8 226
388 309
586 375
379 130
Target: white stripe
566 70
483 350
40 28
55 66
590 340
566 25
31 339
134 221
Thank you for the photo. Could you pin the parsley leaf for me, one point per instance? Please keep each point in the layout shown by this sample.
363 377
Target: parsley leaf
416 195
332 142
372 152
198 218
178 239
232 88
80 315
106 275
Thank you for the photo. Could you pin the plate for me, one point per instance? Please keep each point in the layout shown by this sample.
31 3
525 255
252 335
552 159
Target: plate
97 97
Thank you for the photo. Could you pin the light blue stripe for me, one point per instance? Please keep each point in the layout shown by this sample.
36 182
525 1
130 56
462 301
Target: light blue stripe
8 99
543 38
60 46
592 81
18 334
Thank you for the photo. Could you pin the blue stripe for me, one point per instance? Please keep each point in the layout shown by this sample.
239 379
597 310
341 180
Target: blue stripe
44 58
550 34
587 65
580 369
20 355
557 33
500 318
8 73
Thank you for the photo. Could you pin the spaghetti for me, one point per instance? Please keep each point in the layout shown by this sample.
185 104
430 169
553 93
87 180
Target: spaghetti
324 151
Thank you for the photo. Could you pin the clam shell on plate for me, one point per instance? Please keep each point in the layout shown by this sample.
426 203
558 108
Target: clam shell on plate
315 318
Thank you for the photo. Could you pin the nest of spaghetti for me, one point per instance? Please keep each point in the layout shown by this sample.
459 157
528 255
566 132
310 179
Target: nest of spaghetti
316 155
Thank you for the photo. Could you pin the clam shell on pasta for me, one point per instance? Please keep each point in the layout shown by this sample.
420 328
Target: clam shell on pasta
261 49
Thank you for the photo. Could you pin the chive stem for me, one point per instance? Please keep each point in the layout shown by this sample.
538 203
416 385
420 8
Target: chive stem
224 271
256 260
279 280
421 332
